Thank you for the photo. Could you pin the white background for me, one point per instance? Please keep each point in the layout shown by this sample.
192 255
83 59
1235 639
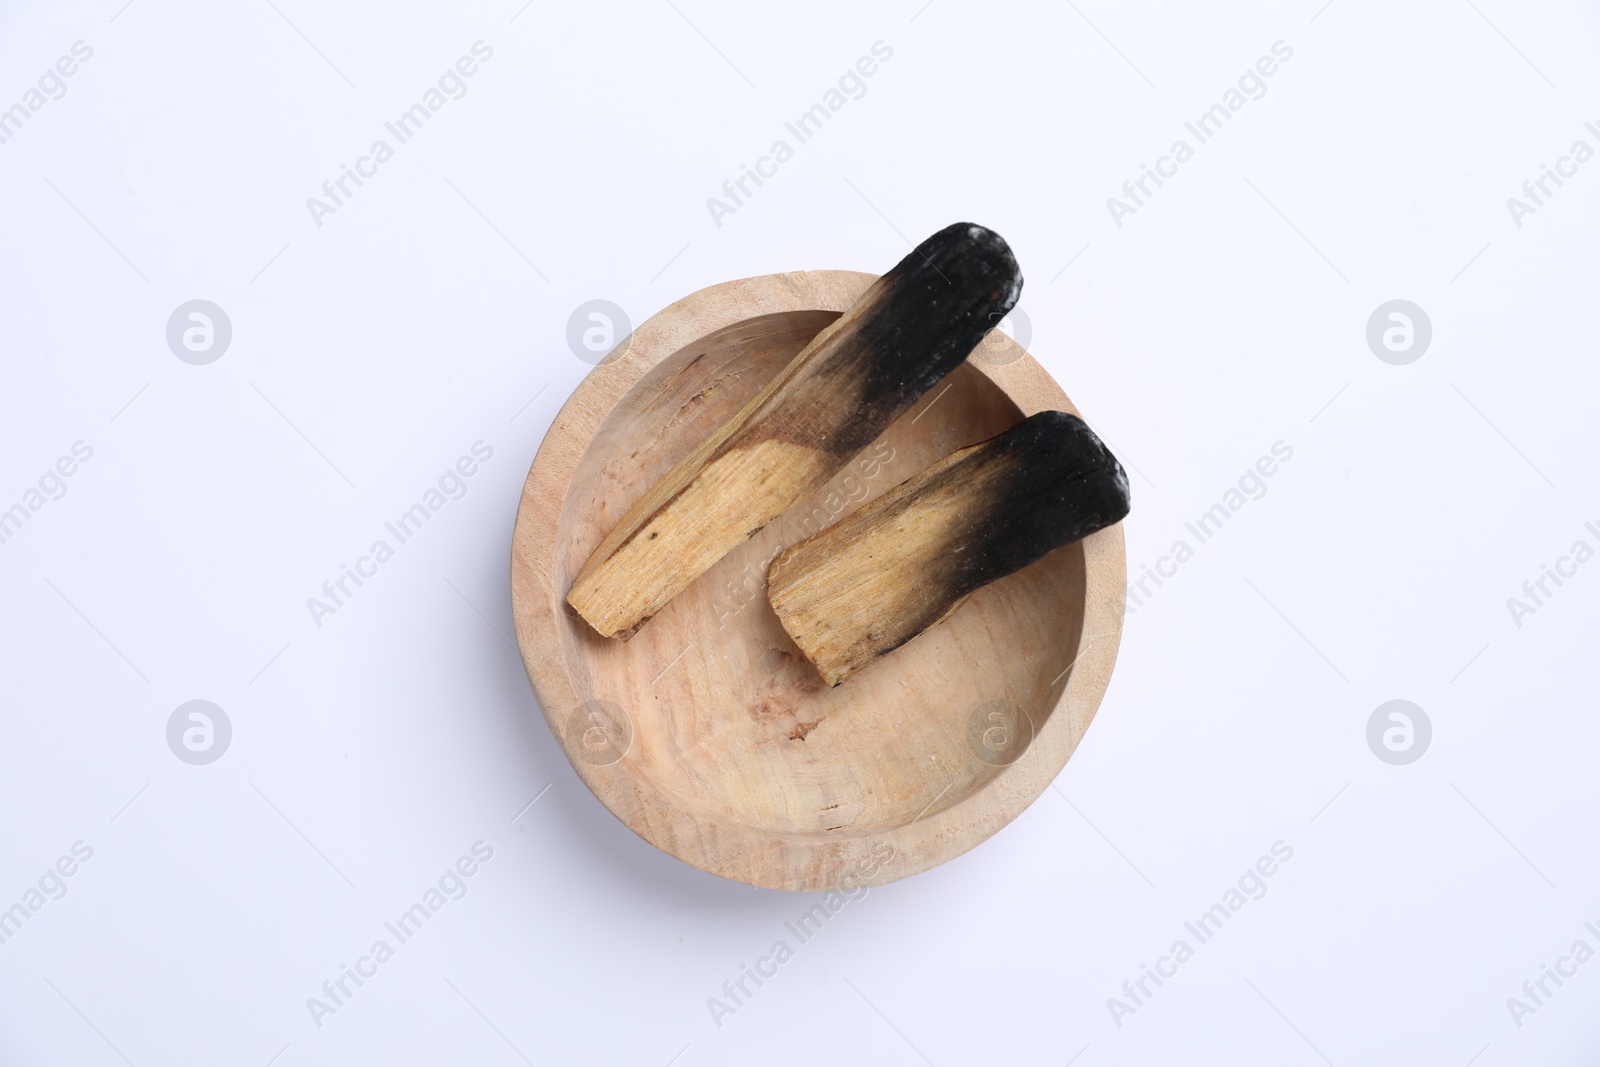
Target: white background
429 313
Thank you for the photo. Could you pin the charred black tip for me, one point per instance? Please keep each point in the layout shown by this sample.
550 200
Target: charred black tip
1064 444
931 310
968 256
1062 484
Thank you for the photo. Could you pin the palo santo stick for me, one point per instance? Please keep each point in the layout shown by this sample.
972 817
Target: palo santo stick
909 330
882 575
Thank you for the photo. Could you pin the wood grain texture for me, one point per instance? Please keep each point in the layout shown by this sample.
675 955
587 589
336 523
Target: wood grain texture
909 330
707 734
873 581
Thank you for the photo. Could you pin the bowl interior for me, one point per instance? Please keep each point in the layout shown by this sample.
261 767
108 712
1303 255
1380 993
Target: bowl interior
726 716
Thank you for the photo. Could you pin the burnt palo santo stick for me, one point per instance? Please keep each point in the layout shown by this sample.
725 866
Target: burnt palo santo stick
910 329
884 574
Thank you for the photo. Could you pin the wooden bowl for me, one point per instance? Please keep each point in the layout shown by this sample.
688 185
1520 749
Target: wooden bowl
708 733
